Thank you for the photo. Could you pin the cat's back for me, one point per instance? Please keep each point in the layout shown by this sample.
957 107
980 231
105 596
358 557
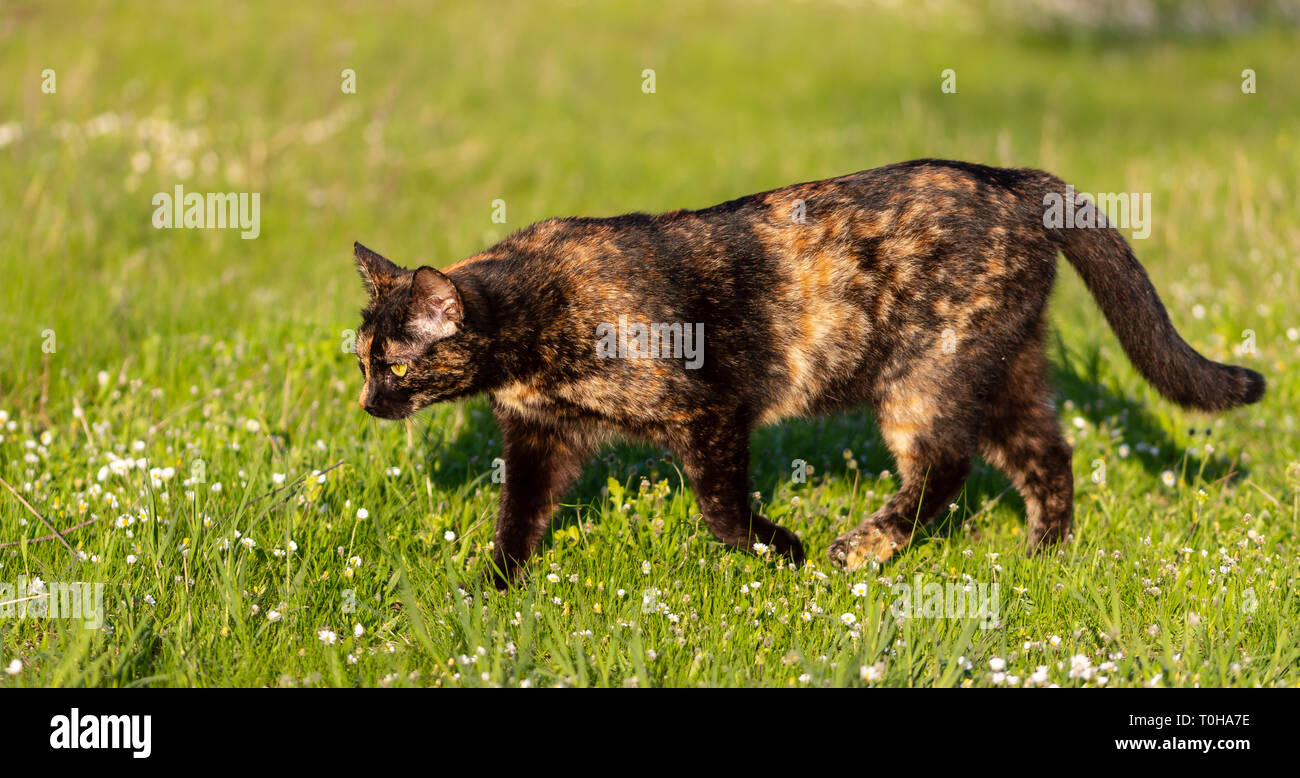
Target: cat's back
801 290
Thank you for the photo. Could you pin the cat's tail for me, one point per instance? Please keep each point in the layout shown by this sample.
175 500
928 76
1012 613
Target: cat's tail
1125 295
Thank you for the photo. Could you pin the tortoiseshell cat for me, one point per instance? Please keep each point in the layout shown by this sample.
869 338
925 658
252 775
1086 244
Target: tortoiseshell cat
918 288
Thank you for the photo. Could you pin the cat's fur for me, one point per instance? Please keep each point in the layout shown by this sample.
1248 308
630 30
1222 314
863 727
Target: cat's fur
918 288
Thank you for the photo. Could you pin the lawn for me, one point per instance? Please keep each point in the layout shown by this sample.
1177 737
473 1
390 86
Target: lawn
187 397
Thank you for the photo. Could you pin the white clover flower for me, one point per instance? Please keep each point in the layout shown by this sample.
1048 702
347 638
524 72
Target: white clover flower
449 536
872 673
15 667
358 630
997 664
131 559
362 513
274 615
277 478
1081 667
9 133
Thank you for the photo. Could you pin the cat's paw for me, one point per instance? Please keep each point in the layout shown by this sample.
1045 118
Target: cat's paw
1044 538
859 547
788 545
500 576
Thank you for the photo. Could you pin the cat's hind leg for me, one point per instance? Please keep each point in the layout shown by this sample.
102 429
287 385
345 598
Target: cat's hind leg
1021 438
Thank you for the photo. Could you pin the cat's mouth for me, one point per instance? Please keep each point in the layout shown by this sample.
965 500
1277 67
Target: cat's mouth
388 413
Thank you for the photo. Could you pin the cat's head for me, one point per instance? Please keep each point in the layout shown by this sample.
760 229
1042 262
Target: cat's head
415 346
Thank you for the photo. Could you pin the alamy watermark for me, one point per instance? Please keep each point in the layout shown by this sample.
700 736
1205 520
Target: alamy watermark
1130 210
37 599
89 731
951 600
656 340
211 211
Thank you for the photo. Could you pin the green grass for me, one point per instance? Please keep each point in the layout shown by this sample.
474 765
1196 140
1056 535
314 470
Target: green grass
184 346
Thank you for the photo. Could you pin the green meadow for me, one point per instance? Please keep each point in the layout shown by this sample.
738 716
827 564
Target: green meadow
182 402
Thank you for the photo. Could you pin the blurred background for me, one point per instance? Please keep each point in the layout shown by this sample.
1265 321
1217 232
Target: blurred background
545 106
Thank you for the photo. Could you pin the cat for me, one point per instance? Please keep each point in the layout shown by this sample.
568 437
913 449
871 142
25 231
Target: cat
918 288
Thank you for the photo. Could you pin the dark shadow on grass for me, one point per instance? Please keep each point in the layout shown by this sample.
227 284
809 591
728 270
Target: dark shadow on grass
822 443
461 460
1077 375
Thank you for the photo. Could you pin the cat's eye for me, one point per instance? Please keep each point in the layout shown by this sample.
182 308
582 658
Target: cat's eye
398 370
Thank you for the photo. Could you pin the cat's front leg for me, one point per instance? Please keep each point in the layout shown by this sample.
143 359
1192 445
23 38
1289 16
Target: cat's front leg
541 463
715 456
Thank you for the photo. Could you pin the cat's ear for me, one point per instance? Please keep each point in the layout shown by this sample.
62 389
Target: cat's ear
379 274
435 308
